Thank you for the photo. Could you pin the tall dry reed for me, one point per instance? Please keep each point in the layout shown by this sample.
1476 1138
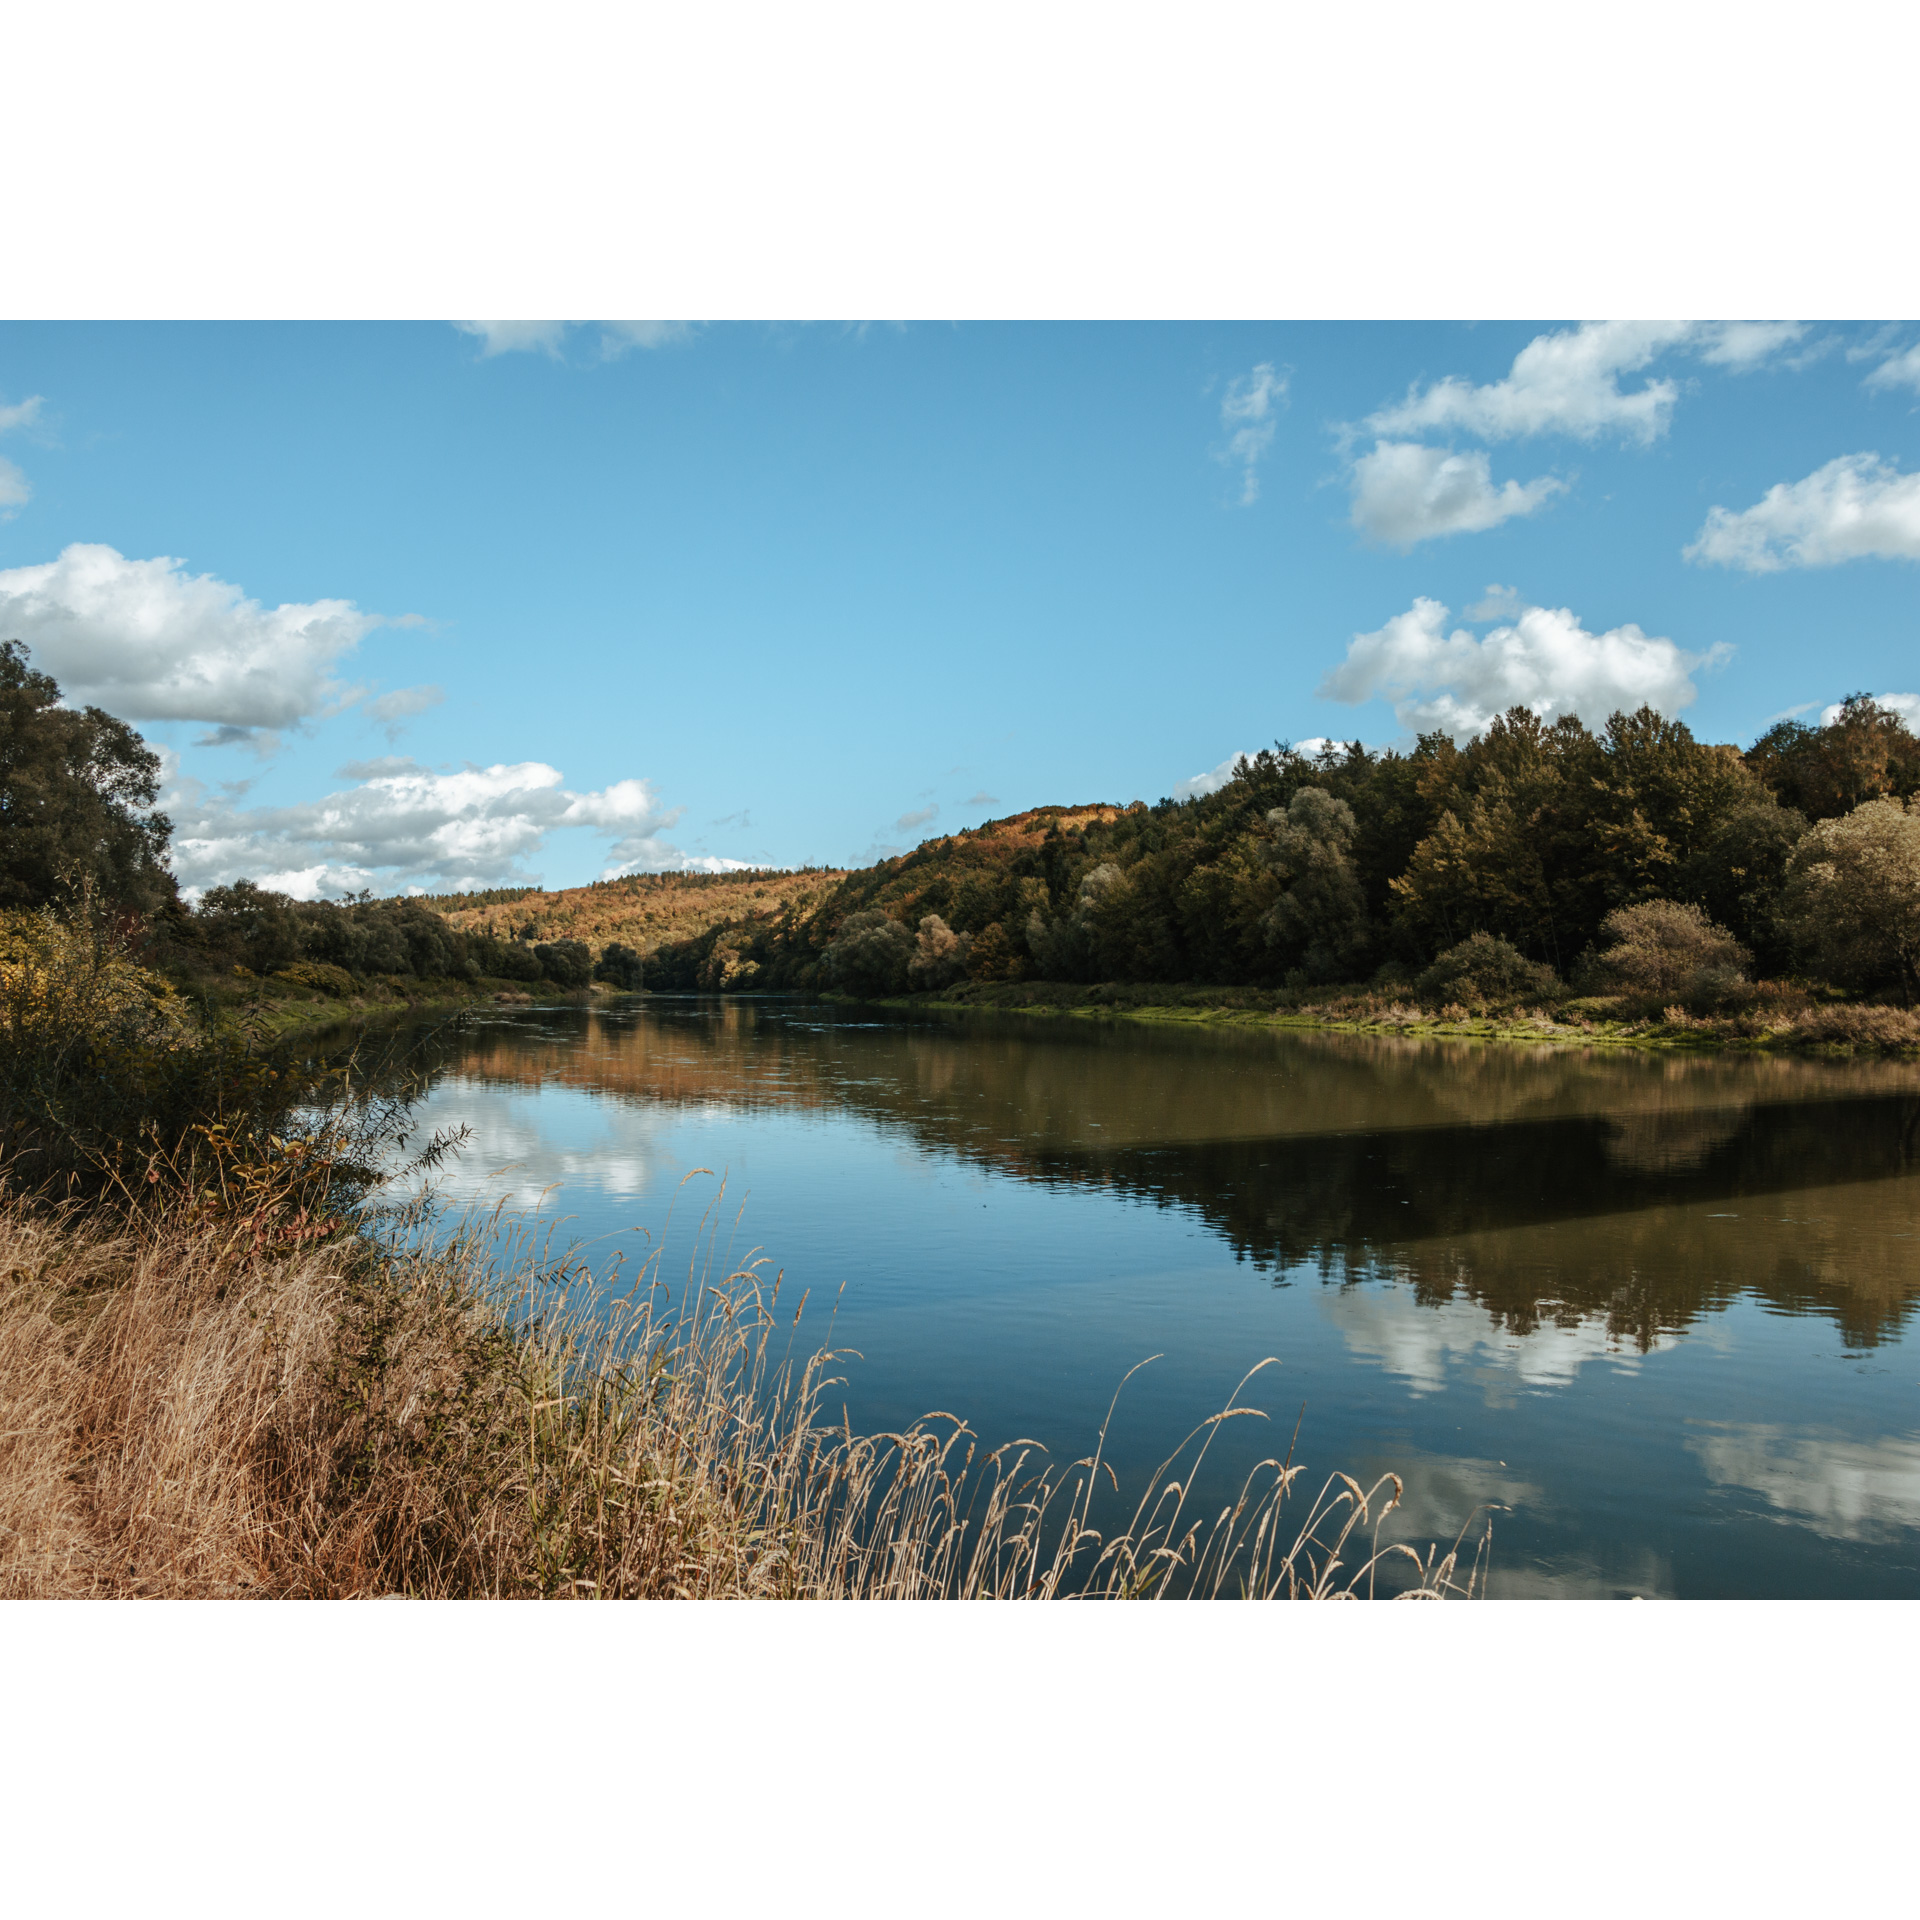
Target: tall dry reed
186 1411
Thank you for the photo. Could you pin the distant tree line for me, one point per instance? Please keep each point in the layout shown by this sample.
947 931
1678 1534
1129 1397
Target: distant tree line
1521 850
329 945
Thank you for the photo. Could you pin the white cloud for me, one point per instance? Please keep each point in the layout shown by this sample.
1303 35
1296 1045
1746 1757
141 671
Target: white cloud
1209 782
1903 370
392 710
407 826
616 336
1249 409
1906 705
149 641
917 818
1500 603
14 490
1569 382
1544 661
981 799
1559 383
1404 493
516 336
1858 507
1746 344
549 336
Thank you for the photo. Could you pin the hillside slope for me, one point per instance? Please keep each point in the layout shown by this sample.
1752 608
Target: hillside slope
642 911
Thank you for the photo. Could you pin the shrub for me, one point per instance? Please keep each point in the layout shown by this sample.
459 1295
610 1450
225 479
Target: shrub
317 977
1485 971
1663 949
105 1080
1852 898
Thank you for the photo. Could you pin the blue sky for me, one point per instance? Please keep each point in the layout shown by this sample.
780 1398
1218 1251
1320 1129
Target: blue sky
467 606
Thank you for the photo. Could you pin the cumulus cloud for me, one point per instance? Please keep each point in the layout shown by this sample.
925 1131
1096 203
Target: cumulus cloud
550 336
1901 370
1858 507
22 413
1746 344
404 826
149 641
917 818
1404 493
1569 382
1544 661
1559 383
1209 782
981 799
1249 411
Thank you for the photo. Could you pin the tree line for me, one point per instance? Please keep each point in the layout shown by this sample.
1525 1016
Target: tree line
1545 846
1538 855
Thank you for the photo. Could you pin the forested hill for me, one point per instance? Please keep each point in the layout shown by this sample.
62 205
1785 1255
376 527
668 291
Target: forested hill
1351 865
641 911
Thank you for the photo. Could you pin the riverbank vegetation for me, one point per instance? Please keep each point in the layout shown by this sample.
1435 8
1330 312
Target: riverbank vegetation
1622 879
190 1412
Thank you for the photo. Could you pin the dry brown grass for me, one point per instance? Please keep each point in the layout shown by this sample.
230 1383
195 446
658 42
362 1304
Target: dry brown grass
185 1413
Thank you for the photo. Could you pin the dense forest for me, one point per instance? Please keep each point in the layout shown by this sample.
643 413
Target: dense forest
1538 854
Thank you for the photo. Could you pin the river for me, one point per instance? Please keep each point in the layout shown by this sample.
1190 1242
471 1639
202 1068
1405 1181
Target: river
1651 1312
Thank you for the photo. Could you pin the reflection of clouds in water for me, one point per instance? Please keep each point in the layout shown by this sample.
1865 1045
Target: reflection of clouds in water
1572 1578
1446 1496
1388 1324
1841 1489
1441 1494
528 1139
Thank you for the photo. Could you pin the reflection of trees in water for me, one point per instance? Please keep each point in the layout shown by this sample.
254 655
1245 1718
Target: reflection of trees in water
1548 1185
1545 1224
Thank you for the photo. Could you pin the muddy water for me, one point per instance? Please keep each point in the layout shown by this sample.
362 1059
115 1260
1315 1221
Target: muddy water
1653 1311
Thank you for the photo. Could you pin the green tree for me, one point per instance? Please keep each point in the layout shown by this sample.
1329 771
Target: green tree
1864 753
869 955
1852 898
76 801
1319 923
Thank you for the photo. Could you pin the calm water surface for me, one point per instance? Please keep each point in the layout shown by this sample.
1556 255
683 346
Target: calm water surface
1656 1308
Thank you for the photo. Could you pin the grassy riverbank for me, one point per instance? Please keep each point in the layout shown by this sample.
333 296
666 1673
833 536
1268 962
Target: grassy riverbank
1782 1019
195 1405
